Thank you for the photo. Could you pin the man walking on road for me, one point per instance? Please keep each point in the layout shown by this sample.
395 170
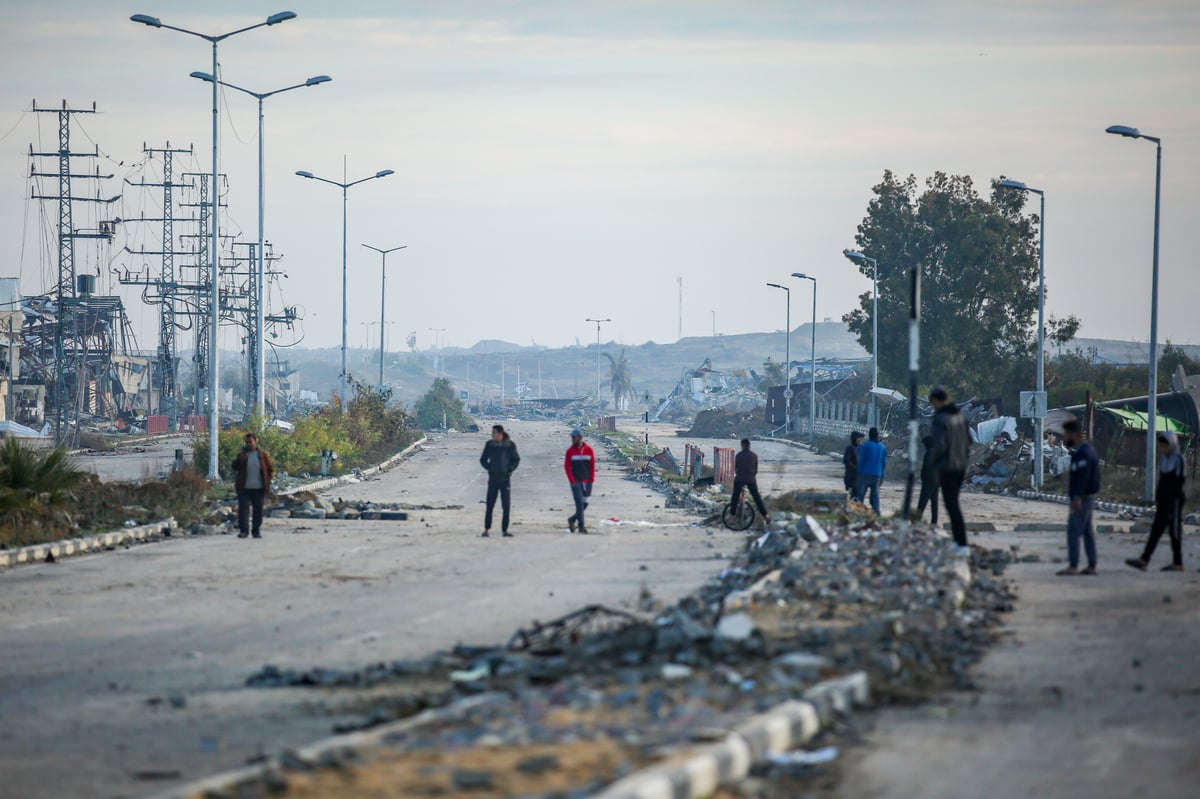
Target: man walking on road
253 472
1084 486
500 458
872 463
745 476
929 483
951 454
580 465
1168 500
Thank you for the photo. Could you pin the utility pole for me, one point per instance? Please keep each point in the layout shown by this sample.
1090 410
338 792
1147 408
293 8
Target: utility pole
602 321
66 287
200 291
167 285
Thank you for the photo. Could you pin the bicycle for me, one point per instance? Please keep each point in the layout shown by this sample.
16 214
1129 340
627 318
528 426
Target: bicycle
744 518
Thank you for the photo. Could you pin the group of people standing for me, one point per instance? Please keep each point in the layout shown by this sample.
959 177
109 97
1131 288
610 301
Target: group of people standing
500 459
947 454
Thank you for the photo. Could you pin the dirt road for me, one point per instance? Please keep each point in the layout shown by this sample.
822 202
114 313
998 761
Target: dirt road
136 461
129 666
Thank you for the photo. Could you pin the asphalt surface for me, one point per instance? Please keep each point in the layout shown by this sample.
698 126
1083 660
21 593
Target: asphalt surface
96 651
143 460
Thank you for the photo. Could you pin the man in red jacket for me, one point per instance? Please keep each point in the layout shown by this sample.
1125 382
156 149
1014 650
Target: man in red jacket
580 465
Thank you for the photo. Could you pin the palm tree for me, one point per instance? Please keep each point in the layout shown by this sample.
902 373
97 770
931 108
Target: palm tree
619 379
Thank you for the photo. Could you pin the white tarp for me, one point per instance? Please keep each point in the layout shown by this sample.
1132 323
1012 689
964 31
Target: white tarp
11 428
986 432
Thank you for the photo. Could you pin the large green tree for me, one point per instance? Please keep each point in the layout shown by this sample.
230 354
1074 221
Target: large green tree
440 403
978 258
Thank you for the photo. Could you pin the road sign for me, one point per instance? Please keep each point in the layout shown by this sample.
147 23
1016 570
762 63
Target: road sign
1033 404
788 393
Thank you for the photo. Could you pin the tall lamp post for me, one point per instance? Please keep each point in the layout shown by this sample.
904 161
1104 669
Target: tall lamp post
812 386
345 186
1039 422
787 357
1152 394
439 341
382 301
214 380
598 323
260 390
860 259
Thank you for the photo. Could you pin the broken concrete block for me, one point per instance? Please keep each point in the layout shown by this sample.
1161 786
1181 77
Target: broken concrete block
280 513
735 627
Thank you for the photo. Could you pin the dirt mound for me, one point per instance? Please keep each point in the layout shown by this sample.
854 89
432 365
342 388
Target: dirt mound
722 423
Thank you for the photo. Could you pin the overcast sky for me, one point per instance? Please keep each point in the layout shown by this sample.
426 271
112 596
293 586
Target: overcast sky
559 160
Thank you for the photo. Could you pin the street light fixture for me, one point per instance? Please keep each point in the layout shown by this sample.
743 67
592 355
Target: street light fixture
383 300
259 391
812 387
1039 422
345 186
860 259
214 380
1152 395
787 357
598 323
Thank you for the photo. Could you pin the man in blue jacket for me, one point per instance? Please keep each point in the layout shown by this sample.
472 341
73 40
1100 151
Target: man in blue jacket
872 462
1085 485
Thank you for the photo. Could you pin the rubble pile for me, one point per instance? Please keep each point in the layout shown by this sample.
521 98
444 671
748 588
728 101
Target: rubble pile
796 605
727 423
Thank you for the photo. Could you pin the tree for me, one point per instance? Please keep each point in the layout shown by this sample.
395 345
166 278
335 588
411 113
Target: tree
440 404
774 374
979 269
1169 360
619 378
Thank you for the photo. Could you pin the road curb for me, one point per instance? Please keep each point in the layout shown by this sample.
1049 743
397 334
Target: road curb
785 727
333 482
91 543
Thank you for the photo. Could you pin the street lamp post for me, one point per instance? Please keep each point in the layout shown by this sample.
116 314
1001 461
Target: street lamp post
214 380
259 390
1152 394
439 341
787 357
1039 422
382 301
812 386
859 258
345 186
598 323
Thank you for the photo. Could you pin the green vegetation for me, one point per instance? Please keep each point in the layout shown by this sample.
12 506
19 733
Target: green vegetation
774 374
366 432
1071 376
440 404
979 269
620 380
44 497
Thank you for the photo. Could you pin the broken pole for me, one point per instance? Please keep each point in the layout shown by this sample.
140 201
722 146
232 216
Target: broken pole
914 367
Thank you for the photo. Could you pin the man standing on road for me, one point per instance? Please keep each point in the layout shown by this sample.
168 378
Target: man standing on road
500 458
951 454
929 483
1085 485
745 476
253 472
1168 501
872 463
850 464
580 465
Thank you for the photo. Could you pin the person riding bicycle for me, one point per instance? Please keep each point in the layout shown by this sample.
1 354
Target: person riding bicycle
745 476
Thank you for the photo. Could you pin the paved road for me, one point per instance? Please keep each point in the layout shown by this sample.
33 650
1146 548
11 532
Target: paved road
141 461
1093 694
89 644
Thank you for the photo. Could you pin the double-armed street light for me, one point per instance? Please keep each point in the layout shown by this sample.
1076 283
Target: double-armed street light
383 300
214 381
812 386
257 284
860 259
787 358
344 185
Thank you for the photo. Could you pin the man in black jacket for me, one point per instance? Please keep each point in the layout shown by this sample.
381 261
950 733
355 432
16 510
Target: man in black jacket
1168 502
850 463
745 476
951 454
500 458
1084 486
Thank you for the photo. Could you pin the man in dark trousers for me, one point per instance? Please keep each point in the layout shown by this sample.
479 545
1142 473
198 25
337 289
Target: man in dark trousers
745 476
1168 502
1084 486
850 464
872 465
929 483
253 472
951 455
580 465
500 458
